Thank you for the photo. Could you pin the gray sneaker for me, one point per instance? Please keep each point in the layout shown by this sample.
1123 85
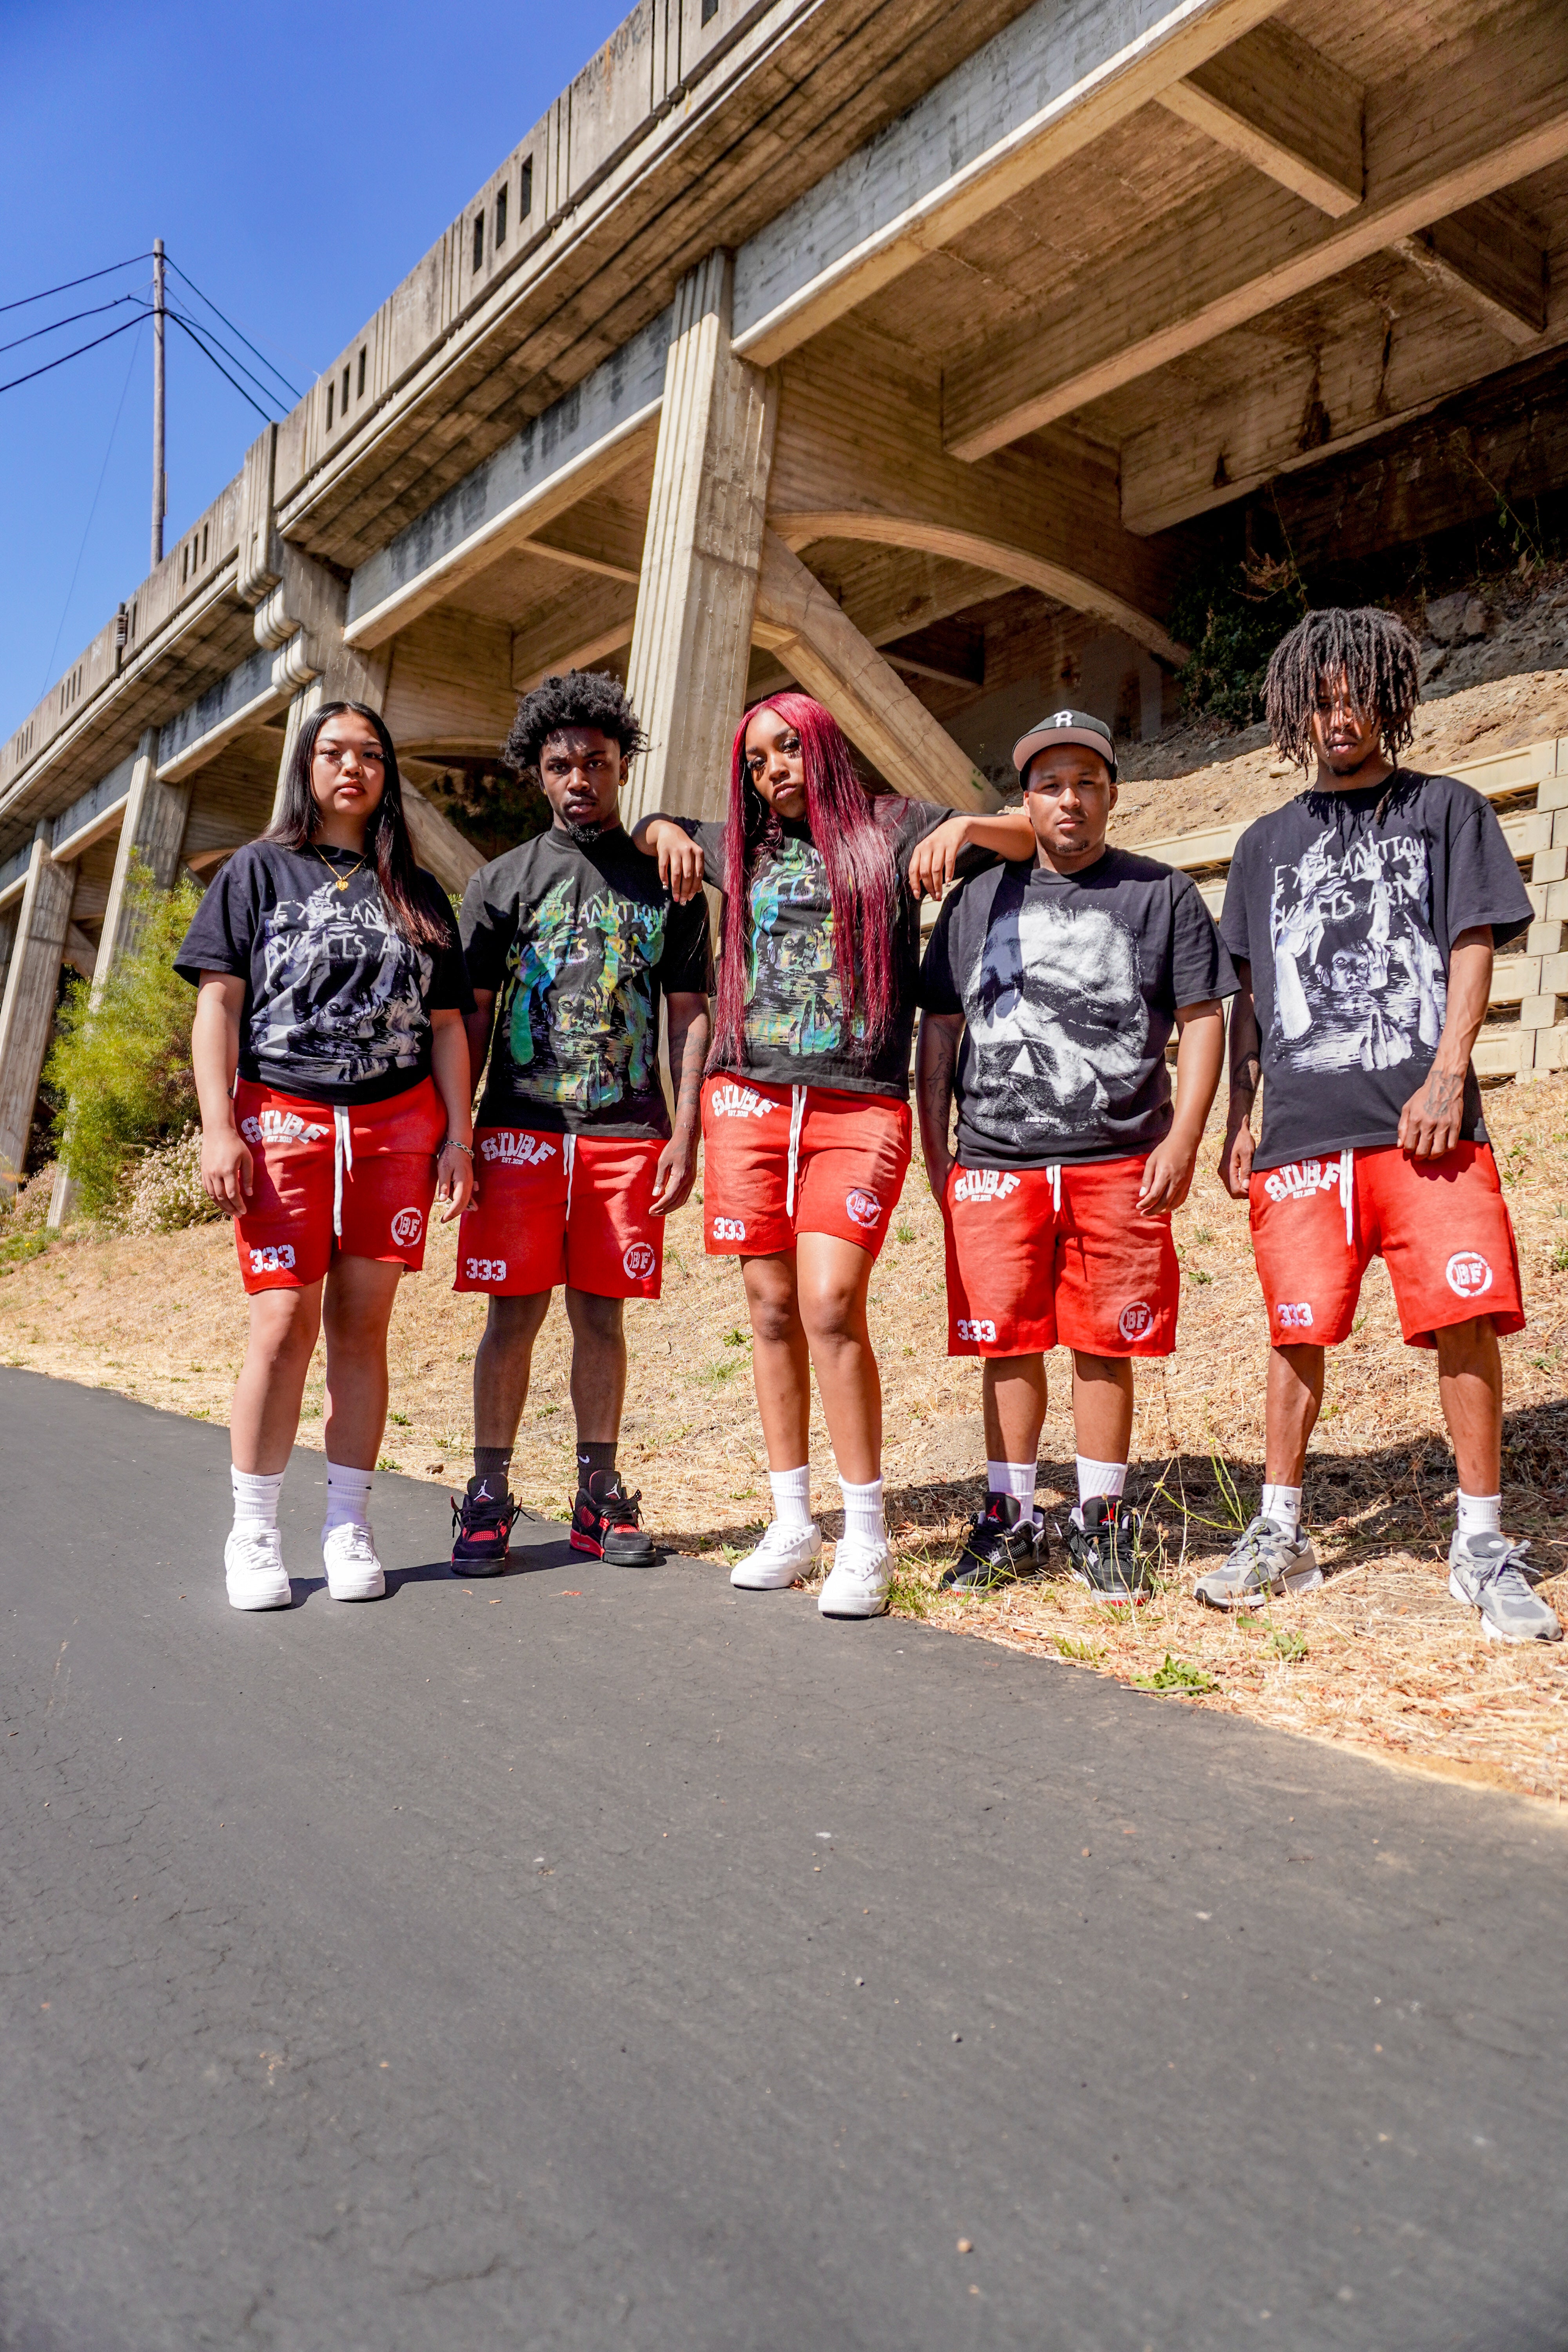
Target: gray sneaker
1265 1562
1488 1573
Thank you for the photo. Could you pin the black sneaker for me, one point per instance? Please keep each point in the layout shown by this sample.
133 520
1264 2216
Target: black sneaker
481 1530
1105 1551
607 1522
1003 1543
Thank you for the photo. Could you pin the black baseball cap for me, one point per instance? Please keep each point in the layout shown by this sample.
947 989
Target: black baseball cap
1078 726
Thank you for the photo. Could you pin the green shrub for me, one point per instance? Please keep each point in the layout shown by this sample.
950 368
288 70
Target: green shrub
1232 619
123 1065
162 1192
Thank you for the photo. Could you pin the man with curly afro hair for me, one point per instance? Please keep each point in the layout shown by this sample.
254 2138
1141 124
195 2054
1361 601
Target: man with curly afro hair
1361 918
574 946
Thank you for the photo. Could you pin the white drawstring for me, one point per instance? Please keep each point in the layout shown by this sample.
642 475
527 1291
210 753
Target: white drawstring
1054 1172
1347 1193
571 1147
342 1157
797 1112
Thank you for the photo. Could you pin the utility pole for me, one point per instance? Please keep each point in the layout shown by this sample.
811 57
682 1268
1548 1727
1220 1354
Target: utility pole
160 485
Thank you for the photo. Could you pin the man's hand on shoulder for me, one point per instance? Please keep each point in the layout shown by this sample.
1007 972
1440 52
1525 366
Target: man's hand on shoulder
679 858
931 861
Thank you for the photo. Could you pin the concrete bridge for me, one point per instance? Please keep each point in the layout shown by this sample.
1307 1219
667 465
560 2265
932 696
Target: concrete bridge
914 353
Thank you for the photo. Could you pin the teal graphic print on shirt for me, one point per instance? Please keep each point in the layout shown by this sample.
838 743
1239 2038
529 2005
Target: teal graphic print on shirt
794 1002
578 1013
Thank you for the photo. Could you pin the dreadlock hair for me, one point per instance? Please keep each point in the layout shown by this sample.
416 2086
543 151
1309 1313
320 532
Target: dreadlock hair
1375 654
387 846
583 698
853 832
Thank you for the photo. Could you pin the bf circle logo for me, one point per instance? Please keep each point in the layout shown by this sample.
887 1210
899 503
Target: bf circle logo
1469 1274
638 1262
864 1208
1135 1322
407 1225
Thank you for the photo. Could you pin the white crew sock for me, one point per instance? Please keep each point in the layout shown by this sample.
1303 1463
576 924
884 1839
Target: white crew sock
256 1497
348 1497
1481 1514
791 1495
863 1512
1015 1479
1283 1506
1107 1479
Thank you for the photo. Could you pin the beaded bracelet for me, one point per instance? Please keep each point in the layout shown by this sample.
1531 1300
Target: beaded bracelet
454 1145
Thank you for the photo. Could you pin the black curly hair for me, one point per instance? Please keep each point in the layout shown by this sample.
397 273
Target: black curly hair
1373 651
583 698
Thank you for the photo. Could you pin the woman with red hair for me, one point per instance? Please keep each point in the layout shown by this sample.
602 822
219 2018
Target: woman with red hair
806 1116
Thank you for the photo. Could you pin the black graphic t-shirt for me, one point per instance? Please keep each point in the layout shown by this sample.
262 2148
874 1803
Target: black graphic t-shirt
1347 921
578 940
795 1032
337 1002
1069 985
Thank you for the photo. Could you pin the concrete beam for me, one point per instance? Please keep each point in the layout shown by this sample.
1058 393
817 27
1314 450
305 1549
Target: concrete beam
859 457
582 441
1292 413
1042 90
799 621
1285 108
692 639
587 623
249 697
1439 140
438 845
1492 258
27 1010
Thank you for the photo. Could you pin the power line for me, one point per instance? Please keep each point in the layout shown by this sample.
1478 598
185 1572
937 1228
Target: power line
87 528
71 319
23 301
123 330
192 326
233 330
186 325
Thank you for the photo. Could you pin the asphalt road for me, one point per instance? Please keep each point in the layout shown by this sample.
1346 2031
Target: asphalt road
602 1958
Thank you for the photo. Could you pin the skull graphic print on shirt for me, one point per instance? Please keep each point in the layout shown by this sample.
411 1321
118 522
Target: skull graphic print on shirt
1358 977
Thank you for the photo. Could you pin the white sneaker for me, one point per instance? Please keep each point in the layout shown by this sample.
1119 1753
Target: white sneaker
252 1568
858 1584
783 1554
353 1571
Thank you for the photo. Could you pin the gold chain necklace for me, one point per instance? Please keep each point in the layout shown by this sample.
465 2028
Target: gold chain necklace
343 880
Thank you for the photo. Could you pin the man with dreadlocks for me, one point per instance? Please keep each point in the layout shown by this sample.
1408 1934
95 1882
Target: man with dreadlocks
1361 918
572 940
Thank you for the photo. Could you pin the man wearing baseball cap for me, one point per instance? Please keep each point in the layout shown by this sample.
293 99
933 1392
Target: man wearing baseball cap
1050 990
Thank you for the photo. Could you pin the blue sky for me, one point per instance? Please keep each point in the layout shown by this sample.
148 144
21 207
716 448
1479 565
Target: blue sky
296 161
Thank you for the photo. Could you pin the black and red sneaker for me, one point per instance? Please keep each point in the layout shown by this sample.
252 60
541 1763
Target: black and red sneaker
607 1522
481 1530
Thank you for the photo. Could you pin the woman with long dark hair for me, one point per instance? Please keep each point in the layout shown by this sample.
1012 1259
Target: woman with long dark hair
805 1115
332 1072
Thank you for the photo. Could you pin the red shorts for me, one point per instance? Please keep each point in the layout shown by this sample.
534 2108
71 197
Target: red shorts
1035 1256
554 1209
1440 1226
779 1161
355 1182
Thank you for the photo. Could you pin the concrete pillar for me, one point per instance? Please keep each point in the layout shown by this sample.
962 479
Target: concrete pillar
153 825
31 979
692 639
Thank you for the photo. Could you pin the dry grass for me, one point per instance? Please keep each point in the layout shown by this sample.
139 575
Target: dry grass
1381 1659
